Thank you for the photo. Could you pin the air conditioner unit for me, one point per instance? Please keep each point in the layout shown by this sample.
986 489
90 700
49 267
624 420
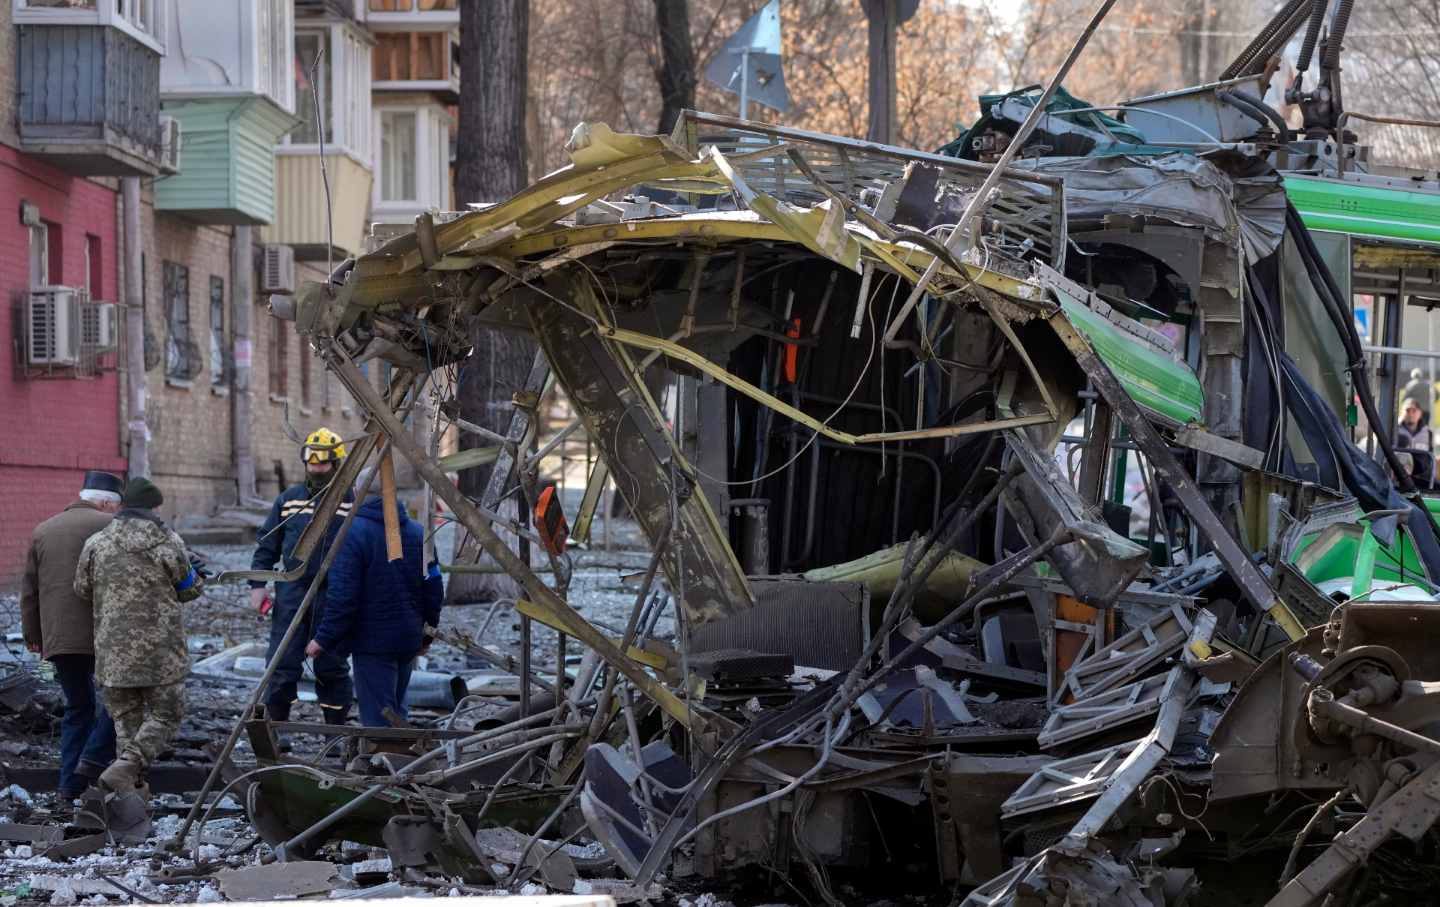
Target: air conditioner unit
97 325
52 326
277 270
169 144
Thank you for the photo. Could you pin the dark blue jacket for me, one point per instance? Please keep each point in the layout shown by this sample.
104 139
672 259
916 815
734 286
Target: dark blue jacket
276 539
374 606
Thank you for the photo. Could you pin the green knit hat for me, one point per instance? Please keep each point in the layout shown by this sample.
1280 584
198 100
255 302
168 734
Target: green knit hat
141 492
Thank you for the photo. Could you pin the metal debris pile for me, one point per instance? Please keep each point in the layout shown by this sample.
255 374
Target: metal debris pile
878 413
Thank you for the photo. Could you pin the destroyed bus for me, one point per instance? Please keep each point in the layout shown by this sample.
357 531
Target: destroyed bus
876 411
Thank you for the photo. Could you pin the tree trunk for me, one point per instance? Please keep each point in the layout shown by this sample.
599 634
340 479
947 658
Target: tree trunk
490 166
490 147
676 74
884 17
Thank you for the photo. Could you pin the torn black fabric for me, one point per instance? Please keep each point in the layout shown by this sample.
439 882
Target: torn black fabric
1336 455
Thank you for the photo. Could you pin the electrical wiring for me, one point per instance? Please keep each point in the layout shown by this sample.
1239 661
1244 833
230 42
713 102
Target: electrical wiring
864 371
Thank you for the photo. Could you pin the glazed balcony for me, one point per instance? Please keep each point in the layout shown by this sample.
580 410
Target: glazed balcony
412 15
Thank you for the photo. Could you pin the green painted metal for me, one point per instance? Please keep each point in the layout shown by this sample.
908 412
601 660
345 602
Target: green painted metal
1344 207
1349 550
1157 382
227 160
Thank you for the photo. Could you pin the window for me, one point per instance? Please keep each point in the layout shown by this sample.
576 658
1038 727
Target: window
219 374
397 156
138 18
409 6
141 14
279 364
307 48
39 255
304 375
275 33
55 255
182 361
412 160
412 57
342 83
94 273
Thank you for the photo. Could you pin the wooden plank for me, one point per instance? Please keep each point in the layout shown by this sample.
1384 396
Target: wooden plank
394 550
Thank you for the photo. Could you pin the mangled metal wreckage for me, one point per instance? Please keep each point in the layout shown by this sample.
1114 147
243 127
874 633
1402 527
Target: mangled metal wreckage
883 470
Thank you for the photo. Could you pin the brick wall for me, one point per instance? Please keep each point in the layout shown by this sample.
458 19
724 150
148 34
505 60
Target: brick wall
190 424
9 135
272 443
53 429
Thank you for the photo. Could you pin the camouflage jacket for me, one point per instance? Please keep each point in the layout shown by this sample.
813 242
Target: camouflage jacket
135 573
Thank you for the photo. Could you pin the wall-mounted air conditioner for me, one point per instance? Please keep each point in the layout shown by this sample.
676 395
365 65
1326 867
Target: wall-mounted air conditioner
52 326
98 326
169 144
277 269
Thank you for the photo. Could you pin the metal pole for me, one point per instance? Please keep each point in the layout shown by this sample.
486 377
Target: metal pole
242 308
745 84
138 428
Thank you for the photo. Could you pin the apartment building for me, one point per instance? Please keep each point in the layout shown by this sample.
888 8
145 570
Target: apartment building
225 111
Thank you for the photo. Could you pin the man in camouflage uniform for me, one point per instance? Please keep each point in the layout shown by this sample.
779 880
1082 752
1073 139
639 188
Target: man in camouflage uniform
136 573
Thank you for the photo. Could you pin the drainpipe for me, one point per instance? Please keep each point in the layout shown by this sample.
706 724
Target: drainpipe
242 304
138 430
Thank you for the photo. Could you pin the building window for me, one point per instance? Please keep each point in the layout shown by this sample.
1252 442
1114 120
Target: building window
275 29
413 57
279 358
55 255
139 18
307 48
94 272
219 374
182 360
39 255
412 165
397 156
342 83
408 6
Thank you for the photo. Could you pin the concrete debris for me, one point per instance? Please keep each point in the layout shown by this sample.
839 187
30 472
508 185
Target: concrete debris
277 880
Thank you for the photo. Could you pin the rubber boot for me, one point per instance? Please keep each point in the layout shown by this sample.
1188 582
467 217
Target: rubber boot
121 776
334 715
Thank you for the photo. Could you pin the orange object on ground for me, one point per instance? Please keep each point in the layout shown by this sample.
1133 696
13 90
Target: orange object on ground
550 522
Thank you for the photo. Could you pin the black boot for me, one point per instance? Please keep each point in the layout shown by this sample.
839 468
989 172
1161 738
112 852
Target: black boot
335 715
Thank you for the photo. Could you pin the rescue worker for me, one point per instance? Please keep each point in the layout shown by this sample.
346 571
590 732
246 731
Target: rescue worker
323 453
376 610
60 626
136 573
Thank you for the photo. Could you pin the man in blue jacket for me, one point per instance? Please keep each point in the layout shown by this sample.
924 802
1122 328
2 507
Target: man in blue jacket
323 453
376 610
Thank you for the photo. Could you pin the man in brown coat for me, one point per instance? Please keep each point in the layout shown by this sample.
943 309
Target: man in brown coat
60 626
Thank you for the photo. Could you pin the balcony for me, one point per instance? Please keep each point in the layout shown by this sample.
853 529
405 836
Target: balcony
412 169
418 61
227 160
412 15
89 98
229 79
300 210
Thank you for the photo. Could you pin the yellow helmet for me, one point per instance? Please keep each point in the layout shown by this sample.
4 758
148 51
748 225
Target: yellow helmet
321 446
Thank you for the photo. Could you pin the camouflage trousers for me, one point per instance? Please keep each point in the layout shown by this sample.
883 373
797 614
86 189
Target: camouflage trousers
146 719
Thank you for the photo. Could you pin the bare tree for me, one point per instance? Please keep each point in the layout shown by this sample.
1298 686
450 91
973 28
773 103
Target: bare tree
676 74
490 166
